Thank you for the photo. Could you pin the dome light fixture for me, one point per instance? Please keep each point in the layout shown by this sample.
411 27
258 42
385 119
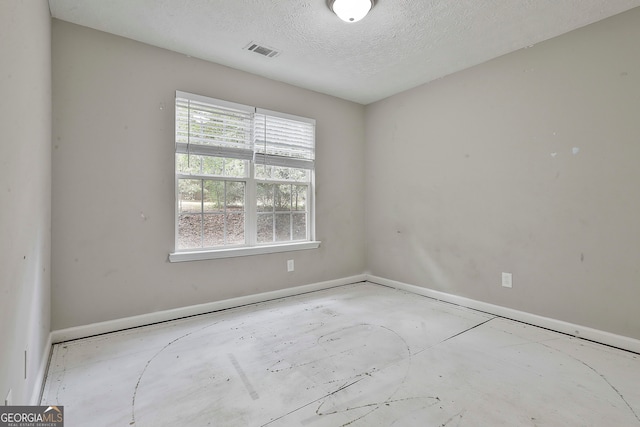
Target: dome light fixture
351 10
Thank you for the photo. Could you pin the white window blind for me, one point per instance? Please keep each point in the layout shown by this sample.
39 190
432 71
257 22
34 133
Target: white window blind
284 140
221 130
239 131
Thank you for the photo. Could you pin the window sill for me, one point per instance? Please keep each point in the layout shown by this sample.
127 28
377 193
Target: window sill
238 252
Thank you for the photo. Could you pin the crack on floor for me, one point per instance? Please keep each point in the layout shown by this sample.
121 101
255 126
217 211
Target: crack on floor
378 404
456 335
635 414
466 330
313 401
360 417
135 390
529 342
613 387
409 358
459 414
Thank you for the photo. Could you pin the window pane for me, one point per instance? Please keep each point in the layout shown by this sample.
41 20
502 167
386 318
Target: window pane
290 174
265 228
283 227
281 173
189 231
235 167
223 166
224 209
189 195
299 198
213 230
188 164
265 197
235 196
235 212
212 165
263 171
299 226
208 165
213 196
283 197
235 228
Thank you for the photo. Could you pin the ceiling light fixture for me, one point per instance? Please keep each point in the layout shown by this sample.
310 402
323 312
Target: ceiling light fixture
351 10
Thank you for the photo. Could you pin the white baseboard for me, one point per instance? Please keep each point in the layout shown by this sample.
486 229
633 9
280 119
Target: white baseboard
619 341
41 374
177 313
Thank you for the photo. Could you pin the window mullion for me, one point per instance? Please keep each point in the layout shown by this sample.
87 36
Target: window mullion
250 206
310 208
176 195
273 214
224 213
202 213
291 212
211 177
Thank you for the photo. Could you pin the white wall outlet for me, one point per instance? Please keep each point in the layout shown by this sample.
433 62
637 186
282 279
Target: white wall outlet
290 266
8 401
507 280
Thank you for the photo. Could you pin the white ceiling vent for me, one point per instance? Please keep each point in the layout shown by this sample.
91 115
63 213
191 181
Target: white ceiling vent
263 50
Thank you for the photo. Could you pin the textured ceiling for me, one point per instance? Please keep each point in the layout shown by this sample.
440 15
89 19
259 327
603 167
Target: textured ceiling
399 45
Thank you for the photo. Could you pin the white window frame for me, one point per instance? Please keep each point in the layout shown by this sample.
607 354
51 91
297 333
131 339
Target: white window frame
250 247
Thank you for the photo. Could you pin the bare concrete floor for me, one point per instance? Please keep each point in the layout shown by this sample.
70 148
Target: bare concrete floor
358 355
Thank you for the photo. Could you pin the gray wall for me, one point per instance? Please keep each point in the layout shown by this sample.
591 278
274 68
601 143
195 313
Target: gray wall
25 193
113 181
476 174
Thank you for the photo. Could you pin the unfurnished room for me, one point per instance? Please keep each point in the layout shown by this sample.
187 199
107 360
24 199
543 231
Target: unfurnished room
320 213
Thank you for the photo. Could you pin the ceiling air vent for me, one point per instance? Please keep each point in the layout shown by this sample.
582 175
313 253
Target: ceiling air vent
263 50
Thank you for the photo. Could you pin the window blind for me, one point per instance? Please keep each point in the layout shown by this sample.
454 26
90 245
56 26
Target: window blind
284 140
211 127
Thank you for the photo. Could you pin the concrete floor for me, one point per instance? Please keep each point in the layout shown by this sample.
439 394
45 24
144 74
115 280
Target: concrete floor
358 355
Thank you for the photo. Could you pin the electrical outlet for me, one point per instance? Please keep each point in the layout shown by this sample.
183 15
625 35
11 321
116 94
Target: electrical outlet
290 266
507 280
8 401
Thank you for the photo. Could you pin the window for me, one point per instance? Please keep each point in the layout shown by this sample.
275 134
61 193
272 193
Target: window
244 179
